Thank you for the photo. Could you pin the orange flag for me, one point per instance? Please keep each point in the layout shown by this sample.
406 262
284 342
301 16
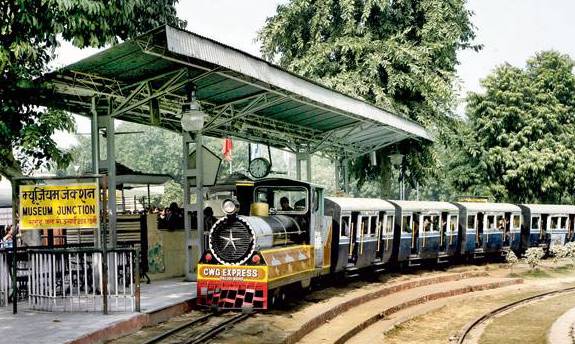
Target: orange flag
227 148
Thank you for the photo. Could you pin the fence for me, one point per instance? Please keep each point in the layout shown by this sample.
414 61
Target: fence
6 285
5 279
81 280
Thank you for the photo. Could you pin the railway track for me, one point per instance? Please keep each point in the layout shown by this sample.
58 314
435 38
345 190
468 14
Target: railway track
198 335
464 334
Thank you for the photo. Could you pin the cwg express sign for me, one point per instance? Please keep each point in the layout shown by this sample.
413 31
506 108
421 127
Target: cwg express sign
59 206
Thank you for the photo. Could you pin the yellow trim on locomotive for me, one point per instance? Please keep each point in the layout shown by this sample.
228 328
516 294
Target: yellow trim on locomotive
289 248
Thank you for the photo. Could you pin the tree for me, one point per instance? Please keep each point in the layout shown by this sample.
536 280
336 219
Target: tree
522 137
29 32
398 55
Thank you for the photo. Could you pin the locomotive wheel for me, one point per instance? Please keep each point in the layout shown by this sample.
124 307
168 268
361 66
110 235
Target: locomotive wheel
274 298
278 297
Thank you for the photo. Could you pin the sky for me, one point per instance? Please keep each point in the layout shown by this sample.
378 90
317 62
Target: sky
510 31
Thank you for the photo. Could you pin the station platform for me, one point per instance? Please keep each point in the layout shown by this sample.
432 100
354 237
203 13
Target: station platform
160 300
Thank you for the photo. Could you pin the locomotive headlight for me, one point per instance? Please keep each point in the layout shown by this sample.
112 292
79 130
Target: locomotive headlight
230 206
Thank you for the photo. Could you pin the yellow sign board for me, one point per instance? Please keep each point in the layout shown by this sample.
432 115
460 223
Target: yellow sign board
232 273
59 206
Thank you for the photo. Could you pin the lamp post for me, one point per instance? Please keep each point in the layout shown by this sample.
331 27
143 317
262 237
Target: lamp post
192 116
192 122
396 160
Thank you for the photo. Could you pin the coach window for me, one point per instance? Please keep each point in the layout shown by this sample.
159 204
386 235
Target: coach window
554 222
435 221
535 222
389 225
276 197
453 223
500 223
427 223
471 222
516 222
406 224
364 227
373 226
563 222
344 230
490 222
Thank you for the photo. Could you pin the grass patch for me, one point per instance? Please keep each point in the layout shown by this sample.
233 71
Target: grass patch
528 324
563 269
535 273
436 327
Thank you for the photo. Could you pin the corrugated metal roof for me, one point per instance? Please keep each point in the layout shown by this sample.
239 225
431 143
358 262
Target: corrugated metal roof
358 204
245 96
490 207
550 208
425 206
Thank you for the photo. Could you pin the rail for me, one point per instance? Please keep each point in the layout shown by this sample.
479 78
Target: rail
180 328
217 329
463 335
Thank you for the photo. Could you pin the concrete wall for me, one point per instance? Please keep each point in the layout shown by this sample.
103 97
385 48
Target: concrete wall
166 256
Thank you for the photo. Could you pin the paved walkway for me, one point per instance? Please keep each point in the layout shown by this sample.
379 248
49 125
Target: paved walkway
29 326
562 330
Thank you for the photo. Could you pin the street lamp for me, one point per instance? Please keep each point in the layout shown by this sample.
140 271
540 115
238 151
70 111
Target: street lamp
396 159
373 158
192 115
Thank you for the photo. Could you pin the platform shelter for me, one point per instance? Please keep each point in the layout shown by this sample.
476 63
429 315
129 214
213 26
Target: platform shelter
198 87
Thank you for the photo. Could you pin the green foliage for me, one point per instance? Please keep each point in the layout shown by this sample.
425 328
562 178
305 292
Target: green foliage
398 55
29 32
521 140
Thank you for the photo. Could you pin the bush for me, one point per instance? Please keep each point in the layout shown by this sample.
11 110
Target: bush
511 260
559 252
533 256
570 251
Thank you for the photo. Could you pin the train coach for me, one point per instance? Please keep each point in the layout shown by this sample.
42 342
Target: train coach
278 235
363 231
425 231
547 224
489 229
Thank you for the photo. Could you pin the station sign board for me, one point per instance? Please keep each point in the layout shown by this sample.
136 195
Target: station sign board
73 205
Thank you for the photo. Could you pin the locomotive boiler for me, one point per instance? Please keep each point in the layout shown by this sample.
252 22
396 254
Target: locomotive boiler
234 238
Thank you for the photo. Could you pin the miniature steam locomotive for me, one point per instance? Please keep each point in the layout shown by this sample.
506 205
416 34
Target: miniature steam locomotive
280 234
